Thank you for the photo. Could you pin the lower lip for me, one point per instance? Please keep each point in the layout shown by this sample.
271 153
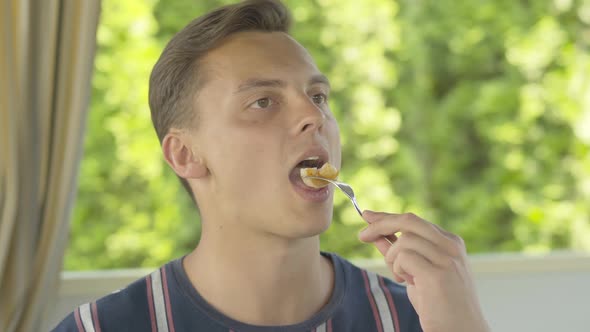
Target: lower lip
309 193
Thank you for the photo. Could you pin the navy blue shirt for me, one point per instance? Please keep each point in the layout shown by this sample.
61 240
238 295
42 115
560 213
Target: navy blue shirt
165 300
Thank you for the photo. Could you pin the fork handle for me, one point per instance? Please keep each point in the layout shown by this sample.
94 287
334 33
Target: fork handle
356 206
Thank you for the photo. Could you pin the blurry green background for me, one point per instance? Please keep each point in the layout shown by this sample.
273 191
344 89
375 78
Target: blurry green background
473 114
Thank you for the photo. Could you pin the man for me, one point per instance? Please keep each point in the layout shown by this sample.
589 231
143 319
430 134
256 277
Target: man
239 106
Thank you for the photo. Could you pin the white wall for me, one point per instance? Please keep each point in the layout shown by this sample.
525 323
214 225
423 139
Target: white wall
541 295
518 292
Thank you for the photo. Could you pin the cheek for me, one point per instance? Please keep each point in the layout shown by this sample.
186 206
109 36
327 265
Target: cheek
243 158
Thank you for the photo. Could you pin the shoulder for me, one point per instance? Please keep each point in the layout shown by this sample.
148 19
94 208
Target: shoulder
125 309
385 301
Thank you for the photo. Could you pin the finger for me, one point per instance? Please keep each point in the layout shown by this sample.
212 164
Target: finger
381 223
371 216
411 265
398 278
384 224
384 247
383 244
420 245
458 247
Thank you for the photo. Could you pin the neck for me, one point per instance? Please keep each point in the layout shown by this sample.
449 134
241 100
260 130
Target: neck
260 279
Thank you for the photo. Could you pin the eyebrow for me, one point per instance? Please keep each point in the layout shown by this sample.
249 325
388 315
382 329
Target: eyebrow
255 83
319 78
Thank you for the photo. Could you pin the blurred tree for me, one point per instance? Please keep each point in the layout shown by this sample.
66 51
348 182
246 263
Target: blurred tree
475 115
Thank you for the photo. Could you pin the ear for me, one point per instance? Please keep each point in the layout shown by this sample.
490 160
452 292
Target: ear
180 156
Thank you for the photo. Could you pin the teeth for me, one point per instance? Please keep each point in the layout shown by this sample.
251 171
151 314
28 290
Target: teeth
313 158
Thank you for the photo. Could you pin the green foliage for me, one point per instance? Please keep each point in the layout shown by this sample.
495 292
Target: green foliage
474 115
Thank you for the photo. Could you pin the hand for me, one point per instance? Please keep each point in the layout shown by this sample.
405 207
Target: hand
433 263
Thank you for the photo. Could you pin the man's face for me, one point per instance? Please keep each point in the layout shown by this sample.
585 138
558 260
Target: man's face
262 110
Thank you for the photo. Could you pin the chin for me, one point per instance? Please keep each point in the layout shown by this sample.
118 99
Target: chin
311 225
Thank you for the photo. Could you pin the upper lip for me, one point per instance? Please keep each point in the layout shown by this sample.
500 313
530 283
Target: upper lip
316 151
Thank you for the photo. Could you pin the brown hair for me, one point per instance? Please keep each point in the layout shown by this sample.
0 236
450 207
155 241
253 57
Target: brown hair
177 75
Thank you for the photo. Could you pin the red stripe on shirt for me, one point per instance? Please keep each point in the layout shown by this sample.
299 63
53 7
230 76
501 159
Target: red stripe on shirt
329 325
95 320
78 320
167 299
390 302
372 302
148 282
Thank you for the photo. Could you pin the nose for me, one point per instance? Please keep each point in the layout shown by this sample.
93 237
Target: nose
310 117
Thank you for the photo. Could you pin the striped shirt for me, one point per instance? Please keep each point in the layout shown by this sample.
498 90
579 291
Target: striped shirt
166 301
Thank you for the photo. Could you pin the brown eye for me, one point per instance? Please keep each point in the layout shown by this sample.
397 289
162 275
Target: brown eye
319 99
262 103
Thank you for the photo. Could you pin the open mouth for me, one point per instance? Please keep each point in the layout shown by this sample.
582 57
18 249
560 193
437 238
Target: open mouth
311 162
314 166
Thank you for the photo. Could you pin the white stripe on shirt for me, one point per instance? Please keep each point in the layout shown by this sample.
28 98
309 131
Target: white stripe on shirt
86 317
381 301
321 328
159 306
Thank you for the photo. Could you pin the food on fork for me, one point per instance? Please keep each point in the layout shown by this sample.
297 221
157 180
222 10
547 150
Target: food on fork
326 171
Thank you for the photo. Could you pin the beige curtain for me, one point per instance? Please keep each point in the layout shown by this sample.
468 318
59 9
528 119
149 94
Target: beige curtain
46 59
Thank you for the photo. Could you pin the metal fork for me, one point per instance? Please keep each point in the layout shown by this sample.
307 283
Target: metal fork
347 190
